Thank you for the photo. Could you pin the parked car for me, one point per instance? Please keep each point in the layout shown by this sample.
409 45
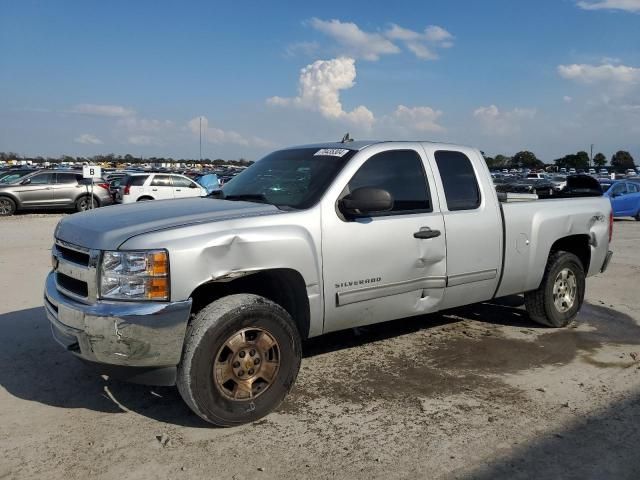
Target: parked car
540 186
51 189
603 171
625 198
216 295
559 182
210 182
158 186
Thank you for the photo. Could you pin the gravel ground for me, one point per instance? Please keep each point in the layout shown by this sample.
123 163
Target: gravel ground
478 392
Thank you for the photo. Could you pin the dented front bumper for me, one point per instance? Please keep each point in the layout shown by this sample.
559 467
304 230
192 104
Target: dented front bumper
137 334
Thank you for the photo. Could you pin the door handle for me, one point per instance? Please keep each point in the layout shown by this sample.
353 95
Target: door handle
178 190
426 234
154 189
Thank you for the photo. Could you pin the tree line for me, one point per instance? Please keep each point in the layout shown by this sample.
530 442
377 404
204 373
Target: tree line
620 161
119 159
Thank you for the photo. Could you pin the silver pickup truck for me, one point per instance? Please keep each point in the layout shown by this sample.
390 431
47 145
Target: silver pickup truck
217 294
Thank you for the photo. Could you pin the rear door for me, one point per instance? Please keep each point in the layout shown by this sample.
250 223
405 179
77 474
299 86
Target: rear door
161 187
384 266
39 190
472 222
66 188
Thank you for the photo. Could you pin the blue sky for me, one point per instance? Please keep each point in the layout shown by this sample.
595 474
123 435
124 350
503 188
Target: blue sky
88 77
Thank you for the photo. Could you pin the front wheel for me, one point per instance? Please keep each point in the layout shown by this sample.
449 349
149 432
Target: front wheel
241 357
7 207
560 295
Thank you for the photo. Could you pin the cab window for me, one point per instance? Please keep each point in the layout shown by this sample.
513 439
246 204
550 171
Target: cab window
399 172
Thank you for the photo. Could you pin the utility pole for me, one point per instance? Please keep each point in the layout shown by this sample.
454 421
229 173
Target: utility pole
200 138
591 156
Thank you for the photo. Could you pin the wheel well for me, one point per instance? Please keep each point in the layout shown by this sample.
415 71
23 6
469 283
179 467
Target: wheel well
576 244
284 286
144 197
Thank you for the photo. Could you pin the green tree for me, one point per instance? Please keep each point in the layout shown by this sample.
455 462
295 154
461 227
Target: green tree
622 160
526 159
599 160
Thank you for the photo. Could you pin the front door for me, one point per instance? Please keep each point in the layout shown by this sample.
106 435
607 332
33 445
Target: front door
389 265
161 187
39 190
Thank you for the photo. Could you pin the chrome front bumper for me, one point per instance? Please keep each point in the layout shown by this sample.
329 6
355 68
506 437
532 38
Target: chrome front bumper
137 334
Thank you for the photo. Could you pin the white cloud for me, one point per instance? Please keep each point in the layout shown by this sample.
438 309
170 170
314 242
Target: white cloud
589 74
135 124
142 140
423 119
319 88
356 42
625 5
88 139
216 135
422 44
302 48
567 99
103 110
496 122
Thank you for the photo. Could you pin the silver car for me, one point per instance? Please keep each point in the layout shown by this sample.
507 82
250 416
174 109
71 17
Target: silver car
51 189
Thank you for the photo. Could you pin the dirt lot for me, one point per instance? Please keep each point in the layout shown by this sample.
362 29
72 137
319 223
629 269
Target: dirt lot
478 392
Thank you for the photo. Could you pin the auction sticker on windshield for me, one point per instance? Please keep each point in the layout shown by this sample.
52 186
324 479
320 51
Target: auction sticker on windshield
332 152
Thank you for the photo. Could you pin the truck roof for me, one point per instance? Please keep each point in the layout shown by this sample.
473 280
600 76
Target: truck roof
361 144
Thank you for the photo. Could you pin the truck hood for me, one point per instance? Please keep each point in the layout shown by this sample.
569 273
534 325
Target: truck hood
109 227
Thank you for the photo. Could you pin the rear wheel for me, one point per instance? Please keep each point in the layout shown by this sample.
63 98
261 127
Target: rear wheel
7 207
560 295
241 357
84 203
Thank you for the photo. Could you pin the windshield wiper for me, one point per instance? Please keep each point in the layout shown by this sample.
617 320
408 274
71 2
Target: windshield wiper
248 197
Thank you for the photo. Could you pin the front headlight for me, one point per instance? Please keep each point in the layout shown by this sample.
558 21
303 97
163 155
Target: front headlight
140 275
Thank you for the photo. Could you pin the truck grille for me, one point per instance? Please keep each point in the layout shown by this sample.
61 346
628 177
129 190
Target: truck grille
72 285
76 271
81 258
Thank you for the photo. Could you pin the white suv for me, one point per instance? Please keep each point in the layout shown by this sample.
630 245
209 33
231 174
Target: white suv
157 186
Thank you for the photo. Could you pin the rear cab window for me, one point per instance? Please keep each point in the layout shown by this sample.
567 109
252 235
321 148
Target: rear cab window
459 180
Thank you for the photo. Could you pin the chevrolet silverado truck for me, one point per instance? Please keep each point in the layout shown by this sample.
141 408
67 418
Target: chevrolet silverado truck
216 295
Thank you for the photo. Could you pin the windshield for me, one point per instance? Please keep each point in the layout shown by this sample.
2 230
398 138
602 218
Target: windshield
295 178
12 176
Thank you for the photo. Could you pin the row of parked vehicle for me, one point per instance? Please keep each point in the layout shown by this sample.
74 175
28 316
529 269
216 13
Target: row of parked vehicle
624 191
30 188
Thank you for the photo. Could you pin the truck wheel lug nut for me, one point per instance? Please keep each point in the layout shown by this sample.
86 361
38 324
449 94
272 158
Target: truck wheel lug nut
242 354
236 364
240 373
256 361
250 371
252 352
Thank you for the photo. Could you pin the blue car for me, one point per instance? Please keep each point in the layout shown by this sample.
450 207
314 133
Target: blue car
625 198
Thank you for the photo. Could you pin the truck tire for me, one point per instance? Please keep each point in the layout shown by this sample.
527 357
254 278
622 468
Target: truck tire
240 359
560 295
7 207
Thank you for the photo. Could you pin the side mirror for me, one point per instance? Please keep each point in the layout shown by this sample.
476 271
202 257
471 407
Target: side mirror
366 200
193 185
